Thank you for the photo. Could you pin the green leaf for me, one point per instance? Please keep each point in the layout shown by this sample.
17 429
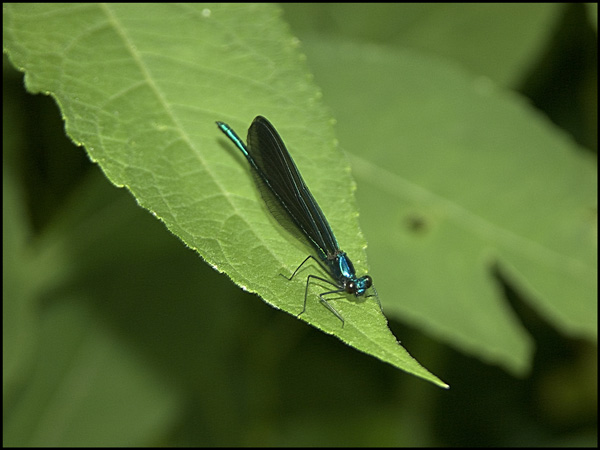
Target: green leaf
80 373
461 181
499 40
140 89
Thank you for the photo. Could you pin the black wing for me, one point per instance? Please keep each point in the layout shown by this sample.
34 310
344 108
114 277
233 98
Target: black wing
276 168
